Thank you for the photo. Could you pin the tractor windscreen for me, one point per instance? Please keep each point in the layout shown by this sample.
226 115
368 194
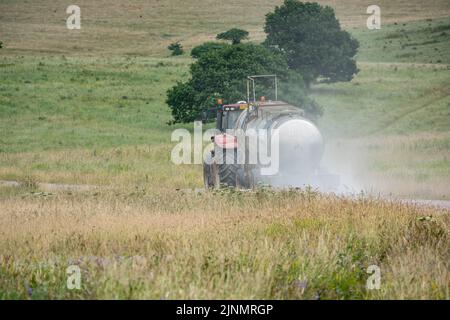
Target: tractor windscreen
230 118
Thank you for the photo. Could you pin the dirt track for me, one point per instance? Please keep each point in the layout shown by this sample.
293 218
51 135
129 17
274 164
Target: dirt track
441 204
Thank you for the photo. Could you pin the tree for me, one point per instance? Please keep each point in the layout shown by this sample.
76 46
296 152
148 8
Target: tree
176 49
235 35
222 73
203 48
312 41
1 44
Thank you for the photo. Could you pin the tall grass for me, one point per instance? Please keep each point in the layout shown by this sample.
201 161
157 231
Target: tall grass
228 244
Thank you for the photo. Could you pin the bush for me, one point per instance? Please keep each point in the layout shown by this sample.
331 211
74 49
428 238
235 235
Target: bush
312 41
176 49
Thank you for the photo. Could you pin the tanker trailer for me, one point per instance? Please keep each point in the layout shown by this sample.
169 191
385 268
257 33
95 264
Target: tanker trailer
267 143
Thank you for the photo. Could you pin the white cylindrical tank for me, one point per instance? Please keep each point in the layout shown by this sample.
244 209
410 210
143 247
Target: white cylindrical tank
301 146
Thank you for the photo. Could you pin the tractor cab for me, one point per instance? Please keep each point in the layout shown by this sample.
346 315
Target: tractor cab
228 114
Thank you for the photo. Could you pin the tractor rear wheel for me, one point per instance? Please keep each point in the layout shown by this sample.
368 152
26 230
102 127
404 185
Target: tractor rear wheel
230 173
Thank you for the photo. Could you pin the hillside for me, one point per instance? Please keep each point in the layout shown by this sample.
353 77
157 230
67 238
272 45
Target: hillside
146 27
94 116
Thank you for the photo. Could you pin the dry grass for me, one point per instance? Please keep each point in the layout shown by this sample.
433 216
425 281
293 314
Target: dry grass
147 27
148 244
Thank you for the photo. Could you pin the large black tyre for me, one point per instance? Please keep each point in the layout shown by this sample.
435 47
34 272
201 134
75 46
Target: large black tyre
231 173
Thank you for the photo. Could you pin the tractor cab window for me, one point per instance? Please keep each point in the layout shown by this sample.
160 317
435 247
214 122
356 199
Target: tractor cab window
229 119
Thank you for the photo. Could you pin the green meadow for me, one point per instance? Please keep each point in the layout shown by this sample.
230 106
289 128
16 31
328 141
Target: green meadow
56 110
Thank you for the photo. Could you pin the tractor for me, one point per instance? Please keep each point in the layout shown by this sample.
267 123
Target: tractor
244 128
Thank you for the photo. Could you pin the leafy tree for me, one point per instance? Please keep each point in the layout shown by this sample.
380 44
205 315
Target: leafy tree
235 35
182 99
312 41
176 49
223 72
1 44
203 48
292 89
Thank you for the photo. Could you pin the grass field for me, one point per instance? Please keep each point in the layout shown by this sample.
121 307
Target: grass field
149 244
87 107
